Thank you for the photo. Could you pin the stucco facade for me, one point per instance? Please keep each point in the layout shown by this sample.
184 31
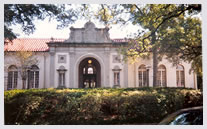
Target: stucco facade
63 64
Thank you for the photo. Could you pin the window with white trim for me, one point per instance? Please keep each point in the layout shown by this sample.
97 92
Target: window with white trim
116 72
61 76
180 76
117 78
161 76
33 77
143 76
12 77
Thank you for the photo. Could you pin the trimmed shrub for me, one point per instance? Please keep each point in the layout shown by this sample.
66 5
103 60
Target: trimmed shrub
96 106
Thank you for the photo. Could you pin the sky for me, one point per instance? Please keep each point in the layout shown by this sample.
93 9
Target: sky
46 29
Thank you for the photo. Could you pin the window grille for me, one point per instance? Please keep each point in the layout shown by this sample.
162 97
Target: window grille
161 76
12 77
180 76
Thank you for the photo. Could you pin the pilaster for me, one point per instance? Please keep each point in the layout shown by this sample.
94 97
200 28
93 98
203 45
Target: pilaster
107 66
52 67
72 74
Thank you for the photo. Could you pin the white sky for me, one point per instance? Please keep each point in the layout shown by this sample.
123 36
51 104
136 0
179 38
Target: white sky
46 29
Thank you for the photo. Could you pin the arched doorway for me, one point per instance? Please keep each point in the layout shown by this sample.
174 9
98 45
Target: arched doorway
89 73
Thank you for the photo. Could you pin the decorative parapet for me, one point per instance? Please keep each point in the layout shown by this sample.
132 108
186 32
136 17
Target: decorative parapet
89 34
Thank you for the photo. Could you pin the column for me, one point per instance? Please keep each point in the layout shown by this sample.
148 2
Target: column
72 68
107 66
125 74
52 67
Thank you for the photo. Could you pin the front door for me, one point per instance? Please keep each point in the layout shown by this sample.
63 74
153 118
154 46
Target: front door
89 73
89 81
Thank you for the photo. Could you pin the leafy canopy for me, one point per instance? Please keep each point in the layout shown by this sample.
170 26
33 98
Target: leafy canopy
26 14
176 28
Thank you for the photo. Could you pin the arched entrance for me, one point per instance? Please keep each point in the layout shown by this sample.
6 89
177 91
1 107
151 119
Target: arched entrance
89 73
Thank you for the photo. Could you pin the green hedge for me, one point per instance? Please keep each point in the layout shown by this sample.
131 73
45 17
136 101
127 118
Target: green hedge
96 106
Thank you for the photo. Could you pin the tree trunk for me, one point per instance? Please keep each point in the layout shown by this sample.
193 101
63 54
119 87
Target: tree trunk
155 61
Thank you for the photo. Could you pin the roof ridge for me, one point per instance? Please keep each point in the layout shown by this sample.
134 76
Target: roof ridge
67 38
40 38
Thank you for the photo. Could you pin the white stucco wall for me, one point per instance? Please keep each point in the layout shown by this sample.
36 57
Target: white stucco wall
190 80
66 65
133 72
12 60
120 65
47 70
100 55
171 74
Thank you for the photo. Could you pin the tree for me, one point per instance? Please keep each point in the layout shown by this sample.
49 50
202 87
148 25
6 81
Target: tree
23 60
167 28
25 14
26 59
186 43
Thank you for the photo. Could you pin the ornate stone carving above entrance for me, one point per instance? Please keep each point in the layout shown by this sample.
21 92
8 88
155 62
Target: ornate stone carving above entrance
89 34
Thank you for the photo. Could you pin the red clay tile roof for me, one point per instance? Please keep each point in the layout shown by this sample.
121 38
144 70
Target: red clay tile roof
29 44
35 44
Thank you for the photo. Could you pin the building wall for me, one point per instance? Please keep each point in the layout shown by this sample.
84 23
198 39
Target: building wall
90 41
66 65
76 55
190 78
113 64
42 58
47 70
128 73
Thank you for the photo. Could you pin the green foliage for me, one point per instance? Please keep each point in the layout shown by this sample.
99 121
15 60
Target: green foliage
26 14
182 41
96 106
170 30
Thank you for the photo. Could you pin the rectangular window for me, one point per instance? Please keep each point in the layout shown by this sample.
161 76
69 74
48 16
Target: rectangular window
140 78
36 79
143 78
182 78
61 79
33 79
116 78
15 79
12 79
159 78
177 78
163 78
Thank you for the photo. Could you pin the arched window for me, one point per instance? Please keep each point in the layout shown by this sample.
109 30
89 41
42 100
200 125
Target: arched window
33 77
180 76
143 75
61 72
161 76
12 77
90 70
